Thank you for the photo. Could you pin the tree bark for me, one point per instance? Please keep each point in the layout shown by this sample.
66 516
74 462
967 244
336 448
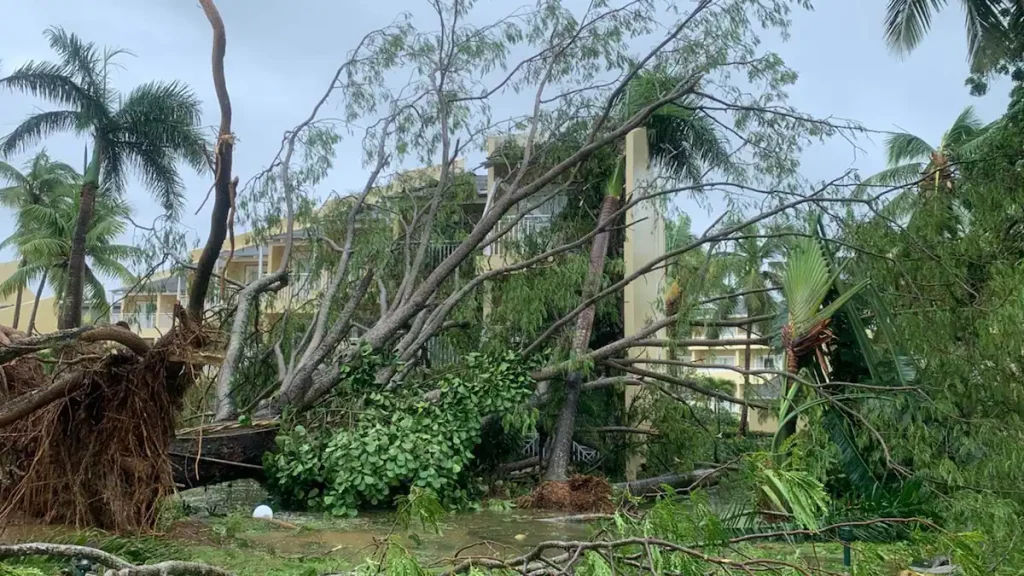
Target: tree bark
561 446
18 298
744 409
222 180
35 305
71 307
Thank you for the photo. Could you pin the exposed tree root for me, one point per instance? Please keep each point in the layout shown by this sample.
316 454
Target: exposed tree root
577 494
98 455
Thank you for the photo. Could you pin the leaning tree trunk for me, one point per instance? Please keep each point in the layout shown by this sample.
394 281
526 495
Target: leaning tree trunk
17 299
35 305
71 308
744 409
561 446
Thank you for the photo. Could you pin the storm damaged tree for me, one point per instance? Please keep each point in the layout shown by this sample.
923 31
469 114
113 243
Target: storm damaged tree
388 298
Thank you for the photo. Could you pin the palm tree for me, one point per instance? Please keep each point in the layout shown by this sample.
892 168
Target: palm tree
987 24
910 157
47 249
683 144
753 266
150 129
806 281
42 183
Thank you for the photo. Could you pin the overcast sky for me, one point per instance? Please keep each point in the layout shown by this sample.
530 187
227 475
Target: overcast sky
282 54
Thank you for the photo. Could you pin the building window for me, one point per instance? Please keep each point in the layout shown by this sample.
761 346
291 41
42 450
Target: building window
720 360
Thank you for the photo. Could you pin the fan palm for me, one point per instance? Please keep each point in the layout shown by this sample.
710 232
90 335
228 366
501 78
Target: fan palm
684 144
988 37
806 281
151 129
42 183
47 248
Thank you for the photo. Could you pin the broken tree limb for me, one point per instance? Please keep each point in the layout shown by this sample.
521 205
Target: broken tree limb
689 481
117 566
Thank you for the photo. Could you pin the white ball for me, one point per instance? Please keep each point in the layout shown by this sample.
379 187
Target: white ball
263 512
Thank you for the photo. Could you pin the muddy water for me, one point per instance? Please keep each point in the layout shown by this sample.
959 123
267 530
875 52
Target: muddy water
486 532
465 534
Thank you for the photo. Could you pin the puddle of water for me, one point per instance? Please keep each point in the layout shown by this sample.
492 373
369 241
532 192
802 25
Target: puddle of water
468 534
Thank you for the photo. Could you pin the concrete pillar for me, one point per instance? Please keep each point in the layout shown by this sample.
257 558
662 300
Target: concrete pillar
645 241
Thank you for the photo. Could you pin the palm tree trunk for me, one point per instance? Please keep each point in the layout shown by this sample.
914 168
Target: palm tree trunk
745 410
71 307
35 305
561 446
17 299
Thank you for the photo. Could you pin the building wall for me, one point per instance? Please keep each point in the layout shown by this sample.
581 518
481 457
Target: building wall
46 316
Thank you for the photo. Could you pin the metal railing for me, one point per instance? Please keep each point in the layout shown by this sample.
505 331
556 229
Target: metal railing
517 235
144 320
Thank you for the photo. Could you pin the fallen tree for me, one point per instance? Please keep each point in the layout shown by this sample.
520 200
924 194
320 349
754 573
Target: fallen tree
87 442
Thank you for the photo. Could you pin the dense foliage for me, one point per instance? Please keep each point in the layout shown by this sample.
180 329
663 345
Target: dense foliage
387 443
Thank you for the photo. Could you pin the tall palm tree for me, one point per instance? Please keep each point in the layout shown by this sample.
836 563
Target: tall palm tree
42 183
47 247
753 266
151 129
987 26
683 144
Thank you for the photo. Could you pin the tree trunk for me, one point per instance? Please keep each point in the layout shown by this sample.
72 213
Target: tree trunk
223 183
561 447
35 305
744 409
71 307
17 299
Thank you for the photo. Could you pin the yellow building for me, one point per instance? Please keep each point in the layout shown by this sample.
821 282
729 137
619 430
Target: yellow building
149 308
725 363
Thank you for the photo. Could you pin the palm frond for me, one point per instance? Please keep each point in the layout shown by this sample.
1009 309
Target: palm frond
805 283
167 116
95 292
987 35
51 82
19 279
902 148
37 127
80 58
902 175
907 21
11 175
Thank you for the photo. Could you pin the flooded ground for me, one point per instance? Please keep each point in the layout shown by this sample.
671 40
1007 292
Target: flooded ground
487 532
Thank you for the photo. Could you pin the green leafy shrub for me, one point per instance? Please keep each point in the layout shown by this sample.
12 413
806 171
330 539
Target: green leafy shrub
399 440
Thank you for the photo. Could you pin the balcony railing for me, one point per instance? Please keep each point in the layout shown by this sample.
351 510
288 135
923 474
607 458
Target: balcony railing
528 226
145 320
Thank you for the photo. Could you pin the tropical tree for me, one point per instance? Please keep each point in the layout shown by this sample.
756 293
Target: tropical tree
681 143
987 26
753 266
151 129
806 281
910 158
47 246
43 181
